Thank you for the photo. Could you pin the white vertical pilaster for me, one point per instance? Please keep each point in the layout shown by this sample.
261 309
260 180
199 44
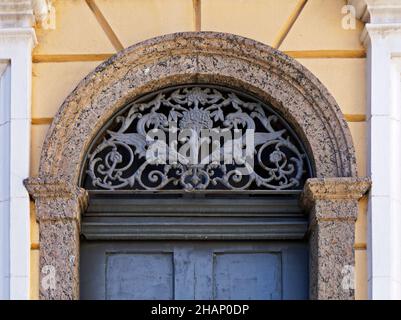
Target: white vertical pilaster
17 39
382 38
15 47
5 91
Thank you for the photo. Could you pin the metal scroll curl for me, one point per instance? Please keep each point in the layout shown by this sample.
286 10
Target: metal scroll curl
129 153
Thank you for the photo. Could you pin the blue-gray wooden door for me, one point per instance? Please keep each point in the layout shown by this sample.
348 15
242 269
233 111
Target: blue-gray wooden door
194 270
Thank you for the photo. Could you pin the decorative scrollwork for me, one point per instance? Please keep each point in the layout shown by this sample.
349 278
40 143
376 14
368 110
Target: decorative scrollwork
119 158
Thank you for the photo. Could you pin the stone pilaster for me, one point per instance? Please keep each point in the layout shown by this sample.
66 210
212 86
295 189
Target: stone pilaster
333 208
58 209
382 39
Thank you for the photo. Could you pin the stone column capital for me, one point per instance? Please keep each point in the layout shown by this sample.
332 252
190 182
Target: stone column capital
25 13
329 199
316 189
52 188
56 199
382 18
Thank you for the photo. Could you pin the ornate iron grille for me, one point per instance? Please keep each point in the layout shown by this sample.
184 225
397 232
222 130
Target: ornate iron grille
118 158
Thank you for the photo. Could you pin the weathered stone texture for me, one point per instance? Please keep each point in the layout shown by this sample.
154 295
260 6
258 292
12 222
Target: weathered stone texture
203 57
332 205
58 210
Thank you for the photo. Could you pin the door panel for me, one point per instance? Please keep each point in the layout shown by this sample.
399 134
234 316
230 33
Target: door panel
194 270
247 276
132 276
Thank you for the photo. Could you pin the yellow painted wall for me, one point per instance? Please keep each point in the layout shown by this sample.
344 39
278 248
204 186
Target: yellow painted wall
88 31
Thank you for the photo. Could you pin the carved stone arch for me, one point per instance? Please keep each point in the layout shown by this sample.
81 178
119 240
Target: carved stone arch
185 58
205 57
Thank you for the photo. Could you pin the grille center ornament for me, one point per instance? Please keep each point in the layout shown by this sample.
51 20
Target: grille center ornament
193 138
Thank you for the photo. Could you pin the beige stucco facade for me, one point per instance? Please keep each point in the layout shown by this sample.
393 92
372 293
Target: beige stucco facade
67 53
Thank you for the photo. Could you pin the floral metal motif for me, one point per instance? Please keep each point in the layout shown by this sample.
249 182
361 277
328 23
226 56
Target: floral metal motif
117 159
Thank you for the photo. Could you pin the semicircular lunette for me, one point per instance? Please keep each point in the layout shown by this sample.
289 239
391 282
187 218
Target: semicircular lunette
194 138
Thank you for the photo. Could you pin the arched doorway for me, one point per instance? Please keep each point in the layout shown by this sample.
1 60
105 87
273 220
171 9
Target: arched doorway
227 220
203 59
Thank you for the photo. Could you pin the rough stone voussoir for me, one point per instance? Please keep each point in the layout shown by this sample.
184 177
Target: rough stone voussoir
200 57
